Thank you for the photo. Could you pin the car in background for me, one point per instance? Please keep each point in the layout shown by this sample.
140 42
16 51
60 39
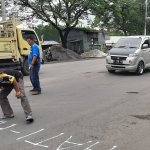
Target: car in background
130 53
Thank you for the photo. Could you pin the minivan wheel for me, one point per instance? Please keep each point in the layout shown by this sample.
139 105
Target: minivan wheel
111 71
140 68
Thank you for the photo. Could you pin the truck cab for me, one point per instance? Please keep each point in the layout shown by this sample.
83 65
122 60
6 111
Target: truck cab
14 48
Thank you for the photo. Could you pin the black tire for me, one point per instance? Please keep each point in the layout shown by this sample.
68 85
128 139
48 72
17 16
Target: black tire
43 61
25 68
111 71
140 68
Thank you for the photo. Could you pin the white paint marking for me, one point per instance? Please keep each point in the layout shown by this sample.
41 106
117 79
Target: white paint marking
1 122
51 138
14 131
113 148
75 144
91 146
38 144
29 134
8 127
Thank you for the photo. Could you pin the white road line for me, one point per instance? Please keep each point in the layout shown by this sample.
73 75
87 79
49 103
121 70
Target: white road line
14 131
29 134
51 138
8 127
38 144
91 146
75 144
2 122
113 148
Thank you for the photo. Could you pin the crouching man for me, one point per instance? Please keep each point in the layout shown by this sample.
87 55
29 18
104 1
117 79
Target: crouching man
10 79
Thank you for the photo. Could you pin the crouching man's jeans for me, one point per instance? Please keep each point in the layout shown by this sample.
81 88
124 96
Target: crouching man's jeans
34 77
5 105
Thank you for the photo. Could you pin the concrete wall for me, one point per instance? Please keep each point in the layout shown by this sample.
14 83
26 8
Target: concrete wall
80 41
75 35
101 38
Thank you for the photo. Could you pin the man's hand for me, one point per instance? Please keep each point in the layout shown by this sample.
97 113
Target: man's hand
31 67
18 94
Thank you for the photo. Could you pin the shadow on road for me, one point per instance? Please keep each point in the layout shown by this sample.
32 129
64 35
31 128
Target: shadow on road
125 73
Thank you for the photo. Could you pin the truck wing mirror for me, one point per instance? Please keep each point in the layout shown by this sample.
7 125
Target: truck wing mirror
42 39
144 46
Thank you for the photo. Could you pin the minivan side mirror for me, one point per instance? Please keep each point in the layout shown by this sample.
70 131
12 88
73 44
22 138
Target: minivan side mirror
144 46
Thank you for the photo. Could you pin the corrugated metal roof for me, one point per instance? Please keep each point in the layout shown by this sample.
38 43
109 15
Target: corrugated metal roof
50 43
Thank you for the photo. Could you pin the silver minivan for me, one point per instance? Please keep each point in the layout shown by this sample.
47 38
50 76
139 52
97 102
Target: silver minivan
130 53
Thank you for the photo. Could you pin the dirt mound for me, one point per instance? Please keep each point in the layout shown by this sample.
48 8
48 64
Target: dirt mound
93 54
60 54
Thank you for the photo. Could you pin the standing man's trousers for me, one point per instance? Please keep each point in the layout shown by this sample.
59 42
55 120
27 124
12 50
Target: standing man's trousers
34 78
5 105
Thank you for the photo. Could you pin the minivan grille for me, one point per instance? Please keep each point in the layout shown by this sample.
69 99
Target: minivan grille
118 58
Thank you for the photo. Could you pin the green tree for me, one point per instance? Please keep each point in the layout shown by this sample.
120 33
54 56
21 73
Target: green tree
126 16
54 12
49 32
61 12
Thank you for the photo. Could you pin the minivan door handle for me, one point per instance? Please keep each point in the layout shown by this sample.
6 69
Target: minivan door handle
25 49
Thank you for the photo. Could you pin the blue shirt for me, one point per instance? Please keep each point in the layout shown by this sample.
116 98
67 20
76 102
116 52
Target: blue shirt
34 51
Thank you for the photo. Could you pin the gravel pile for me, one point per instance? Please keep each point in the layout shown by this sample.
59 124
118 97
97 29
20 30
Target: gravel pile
93 54
60 54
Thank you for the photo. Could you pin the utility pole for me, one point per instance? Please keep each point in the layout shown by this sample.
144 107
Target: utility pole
3 10
145 17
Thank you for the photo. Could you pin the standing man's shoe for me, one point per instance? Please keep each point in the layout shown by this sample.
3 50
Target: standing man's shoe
33 90
36 93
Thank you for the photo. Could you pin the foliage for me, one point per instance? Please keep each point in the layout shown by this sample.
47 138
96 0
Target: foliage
49 32
126 16
57 13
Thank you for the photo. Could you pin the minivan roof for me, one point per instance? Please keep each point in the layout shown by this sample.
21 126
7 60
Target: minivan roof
138 36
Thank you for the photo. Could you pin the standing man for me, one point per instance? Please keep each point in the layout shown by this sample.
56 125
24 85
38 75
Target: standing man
34 65
10 79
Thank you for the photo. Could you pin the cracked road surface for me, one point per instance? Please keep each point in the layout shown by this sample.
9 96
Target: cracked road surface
82 107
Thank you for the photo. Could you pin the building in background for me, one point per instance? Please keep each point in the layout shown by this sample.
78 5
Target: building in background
82 40
47 44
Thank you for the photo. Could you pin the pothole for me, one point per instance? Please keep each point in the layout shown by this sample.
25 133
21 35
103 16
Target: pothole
133 92
94 137
144 117
102 72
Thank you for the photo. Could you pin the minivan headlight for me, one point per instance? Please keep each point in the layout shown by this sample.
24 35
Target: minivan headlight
133 55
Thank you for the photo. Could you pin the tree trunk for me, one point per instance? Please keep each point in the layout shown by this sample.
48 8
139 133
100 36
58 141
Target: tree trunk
63 39
125 32
64 36
64 42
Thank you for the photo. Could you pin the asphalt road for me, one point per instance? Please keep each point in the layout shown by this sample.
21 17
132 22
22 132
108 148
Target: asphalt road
82 107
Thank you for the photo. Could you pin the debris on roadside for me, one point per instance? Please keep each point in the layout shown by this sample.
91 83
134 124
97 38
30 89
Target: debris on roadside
60 54
93 54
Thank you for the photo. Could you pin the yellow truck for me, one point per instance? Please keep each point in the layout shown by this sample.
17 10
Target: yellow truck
14 48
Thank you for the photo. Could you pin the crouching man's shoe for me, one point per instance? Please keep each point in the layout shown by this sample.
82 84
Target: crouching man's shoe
29 119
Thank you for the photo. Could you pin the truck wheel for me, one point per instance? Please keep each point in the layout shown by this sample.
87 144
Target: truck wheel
25 68
111 71
140 68
43 61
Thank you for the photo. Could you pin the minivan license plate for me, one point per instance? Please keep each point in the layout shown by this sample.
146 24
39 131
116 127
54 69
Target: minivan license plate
118 62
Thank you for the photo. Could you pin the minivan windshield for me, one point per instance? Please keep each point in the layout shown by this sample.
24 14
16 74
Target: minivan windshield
128 43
